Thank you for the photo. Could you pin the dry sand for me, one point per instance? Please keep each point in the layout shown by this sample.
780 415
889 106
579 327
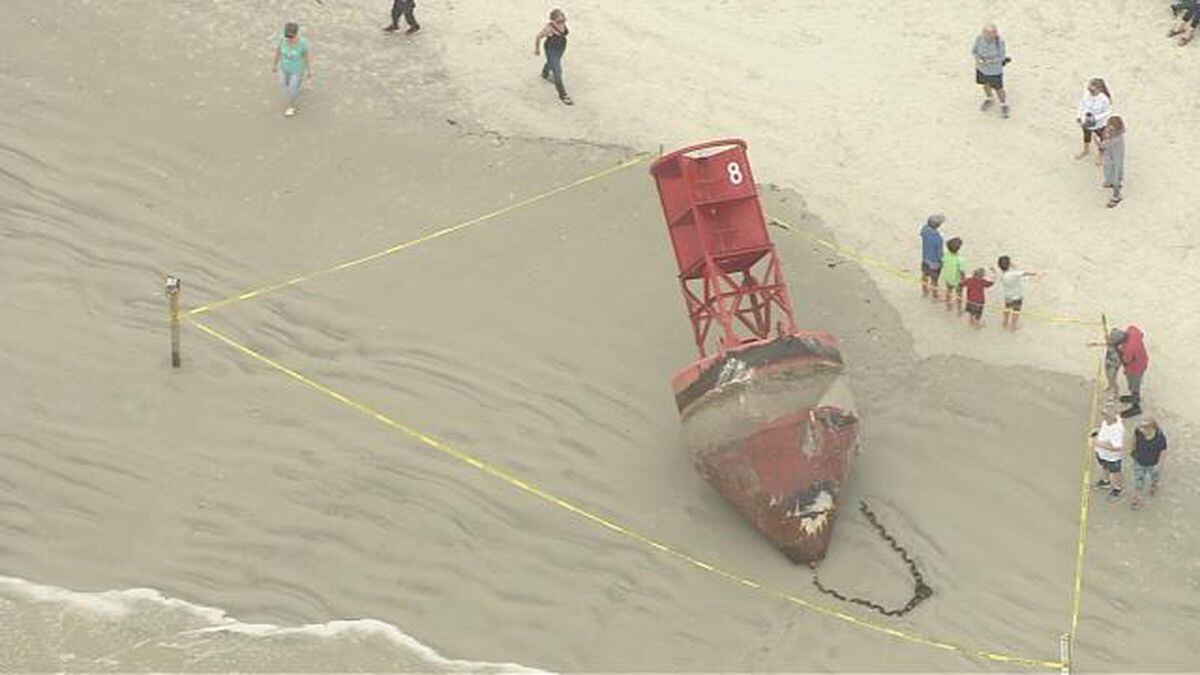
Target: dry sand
137 141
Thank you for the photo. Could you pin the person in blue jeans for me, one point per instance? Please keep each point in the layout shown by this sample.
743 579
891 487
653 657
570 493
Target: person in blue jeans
555 35
1149 456
293 62
931 254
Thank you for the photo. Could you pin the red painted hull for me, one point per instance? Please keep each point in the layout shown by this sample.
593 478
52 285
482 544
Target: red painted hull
771 426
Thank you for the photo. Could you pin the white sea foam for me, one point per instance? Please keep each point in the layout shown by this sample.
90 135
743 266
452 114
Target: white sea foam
46 626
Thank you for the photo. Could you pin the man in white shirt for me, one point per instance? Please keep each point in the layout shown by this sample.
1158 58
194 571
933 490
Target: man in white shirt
1108 444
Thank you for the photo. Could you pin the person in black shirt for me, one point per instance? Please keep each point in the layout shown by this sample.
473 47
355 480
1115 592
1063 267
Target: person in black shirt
1149 456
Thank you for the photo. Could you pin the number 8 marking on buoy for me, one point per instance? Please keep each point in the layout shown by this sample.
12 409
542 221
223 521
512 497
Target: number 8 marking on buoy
735 173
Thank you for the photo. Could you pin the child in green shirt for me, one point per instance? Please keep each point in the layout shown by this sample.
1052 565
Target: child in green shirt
952 274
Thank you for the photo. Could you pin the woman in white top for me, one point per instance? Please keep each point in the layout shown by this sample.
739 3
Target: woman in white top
1094 110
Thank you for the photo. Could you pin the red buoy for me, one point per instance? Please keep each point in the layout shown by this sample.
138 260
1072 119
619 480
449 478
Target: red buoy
766 412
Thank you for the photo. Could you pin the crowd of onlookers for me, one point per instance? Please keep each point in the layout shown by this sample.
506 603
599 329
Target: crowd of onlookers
1126 351
943 270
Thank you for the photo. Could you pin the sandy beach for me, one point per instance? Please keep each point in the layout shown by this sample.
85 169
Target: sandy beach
226 517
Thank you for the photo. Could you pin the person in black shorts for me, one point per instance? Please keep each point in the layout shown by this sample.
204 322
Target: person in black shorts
990 59
403 8
976 287
1094 110
1108 443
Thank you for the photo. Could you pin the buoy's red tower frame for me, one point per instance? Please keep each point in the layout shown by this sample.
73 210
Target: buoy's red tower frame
768 418
728 269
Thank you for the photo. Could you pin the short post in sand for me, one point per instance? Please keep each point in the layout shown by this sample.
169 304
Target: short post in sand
173 287
1064 653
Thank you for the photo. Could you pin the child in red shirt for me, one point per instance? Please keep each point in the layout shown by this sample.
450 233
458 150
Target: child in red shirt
975 286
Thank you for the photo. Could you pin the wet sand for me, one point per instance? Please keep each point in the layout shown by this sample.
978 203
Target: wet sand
542 342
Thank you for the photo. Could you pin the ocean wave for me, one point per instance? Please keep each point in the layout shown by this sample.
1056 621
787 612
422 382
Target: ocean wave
50 628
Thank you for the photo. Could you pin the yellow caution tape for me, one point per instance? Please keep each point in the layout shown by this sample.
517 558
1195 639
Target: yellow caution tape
1085 490
910 277
263 290
530 488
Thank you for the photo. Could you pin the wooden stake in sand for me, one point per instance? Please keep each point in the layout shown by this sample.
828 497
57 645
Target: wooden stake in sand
173 287
1064 653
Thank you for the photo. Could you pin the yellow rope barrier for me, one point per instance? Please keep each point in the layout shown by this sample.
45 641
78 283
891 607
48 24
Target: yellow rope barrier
1084 501
525 486
263 290
532 489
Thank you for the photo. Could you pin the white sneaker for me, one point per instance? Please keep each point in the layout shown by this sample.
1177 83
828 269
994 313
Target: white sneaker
289 112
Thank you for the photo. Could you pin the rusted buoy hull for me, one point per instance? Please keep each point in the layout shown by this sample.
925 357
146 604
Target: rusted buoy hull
771 425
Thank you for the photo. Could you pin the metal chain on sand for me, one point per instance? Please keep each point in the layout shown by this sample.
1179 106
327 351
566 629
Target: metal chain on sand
921 590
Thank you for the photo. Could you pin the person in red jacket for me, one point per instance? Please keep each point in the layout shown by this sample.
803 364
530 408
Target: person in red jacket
1131 344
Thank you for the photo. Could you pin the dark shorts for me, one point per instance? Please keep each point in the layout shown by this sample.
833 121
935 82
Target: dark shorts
1087 134
1111 467
993 81
975 309
929 272
1014 305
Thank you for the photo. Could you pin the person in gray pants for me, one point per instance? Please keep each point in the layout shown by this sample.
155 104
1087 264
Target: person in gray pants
1113 144
403 8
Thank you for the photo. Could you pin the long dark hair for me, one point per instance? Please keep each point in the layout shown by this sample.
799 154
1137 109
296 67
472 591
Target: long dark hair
1099 84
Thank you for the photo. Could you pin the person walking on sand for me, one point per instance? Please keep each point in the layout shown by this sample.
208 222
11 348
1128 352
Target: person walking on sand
293 61
1094 110
1149 457
990 59
931 255
1107 442
403 8
952 274
1014 294
555 35
976 285
1112 146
